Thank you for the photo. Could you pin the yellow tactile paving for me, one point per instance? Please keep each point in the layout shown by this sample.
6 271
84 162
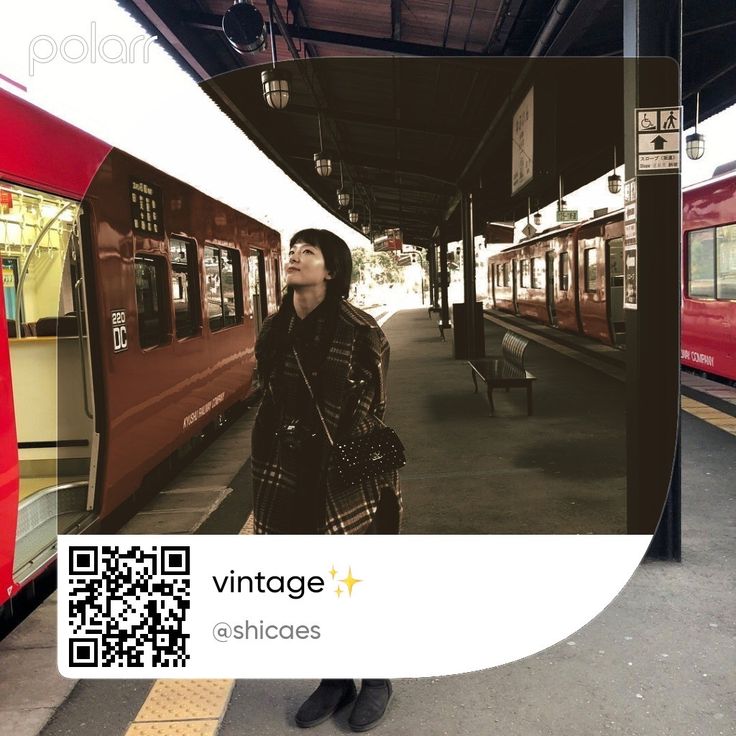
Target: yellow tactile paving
248 528
708 414
174 728
185 700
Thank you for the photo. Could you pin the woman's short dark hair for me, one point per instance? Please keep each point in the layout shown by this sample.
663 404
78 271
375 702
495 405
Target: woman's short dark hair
338 260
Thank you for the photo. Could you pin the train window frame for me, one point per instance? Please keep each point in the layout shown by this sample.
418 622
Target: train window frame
709 246
731 242
163 295
194 296
506 275
588 288
524 272
223 321
564 275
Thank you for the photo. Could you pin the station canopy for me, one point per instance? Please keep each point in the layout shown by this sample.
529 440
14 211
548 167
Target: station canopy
412 132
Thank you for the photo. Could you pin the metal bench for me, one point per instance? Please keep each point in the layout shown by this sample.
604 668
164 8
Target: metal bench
506 371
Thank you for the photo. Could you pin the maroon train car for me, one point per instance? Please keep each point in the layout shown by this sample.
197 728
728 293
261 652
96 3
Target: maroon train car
709 275
571 278
131 306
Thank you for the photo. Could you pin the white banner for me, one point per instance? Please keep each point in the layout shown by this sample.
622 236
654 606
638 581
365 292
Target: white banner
321 606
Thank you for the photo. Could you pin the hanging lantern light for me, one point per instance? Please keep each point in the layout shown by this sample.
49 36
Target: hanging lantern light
537 218
353 214
614 181
322 162
275 88
275 81
695 142
366 229
243 26
343 197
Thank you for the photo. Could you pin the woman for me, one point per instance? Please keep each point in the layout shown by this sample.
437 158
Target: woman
318 337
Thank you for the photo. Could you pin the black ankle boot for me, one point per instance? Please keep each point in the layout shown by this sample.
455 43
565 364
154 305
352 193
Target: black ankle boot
328 698
371 705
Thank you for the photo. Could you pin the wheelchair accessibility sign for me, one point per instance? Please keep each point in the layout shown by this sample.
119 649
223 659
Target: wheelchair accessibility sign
658 140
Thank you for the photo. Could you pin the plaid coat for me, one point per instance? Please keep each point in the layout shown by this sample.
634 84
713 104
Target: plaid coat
352 391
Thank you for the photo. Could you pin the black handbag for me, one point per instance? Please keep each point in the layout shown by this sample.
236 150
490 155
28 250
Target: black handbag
363 457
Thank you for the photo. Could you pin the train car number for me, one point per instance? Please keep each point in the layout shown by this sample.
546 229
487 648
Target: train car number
119 331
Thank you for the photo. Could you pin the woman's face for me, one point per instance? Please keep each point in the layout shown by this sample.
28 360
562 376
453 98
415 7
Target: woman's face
306 266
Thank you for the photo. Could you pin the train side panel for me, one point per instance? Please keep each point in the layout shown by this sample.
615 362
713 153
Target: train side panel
566 295
158 396
531 300
709 277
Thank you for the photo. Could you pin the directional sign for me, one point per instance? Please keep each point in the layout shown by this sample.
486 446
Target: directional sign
658 140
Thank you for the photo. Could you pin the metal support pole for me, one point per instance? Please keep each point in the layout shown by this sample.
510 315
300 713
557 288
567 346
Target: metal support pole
466 204
444 279
432 261
652 28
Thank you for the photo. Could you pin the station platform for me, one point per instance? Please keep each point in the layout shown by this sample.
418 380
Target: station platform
658 660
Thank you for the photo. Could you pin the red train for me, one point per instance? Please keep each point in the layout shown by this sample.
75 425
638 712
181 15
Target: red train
573 278
709 275
128 324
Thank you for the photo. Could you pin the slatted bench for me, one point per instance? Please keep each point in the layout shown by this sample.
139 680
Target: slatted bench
506 371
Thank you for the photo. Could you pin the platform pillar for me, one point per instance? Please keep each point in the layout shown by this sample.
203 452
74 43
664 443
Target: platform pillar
444 279
652 28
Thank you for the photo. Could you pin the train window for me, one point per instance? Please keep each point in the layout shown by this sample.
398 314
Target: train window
524 276
232 287
564 271
224 287
590 261
726 260
184 281
506 280
537 273
497 269
150 298
701 264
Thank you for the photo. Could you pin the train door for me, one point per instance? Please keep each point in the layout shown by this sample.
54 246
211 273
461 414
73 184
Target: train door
257 281
514 278
615 281
550 286
50 371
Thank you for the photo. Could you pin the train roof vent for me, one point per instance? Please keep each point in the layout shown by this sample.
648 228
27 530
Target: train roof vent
724 168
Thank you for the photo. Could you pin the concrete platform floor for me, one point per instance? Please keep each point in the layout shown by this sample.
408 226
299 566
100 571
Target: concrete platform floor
560 471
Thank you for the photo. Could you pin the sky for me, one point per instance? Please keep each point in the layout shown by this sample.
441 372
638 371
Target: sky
153 110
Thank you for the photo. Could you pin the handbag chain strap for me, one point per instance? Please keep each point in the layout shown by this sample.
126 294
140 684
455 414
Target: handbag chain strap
314 399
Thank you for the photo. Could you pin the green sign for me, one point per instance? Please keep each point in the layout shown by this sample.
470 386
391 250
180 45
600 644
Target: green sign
567 215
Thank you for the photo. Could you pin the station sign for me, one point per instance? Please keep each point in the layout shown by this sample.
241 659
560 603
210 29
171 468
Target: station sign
522 143
529 231
630 246
567 215
658 140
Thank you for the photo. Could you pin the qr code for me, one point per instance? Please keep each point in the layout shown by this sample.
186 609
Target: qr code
128 606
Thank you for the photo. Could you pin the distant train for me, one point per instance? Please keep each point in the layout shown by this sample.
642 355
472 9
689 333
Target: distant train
573 277
131 306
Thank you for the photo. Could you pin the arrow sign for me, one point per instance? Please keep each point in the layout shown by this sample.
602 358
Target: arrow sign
658 143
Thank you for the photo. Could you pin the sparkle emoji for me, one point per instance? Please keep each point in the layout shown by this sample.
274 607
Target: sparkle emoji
350 581
333 572
338 591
